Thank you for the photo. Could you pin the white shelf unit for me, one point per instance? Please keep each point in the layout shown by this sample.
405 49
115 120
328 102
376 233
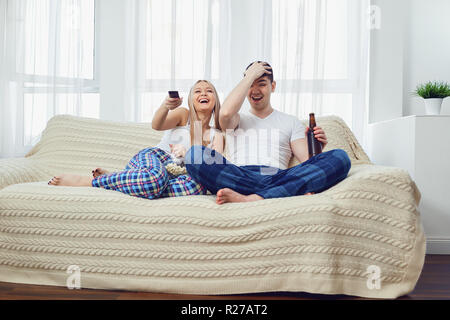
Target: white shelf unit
421 145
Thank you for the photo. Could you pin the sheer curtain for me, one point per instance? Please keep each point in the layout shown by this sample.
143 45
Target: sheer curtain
47 67
318 49
169 46
50 62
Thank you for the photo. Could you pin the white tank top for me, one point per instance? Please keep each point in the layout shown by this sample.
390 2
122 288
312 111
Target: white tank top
181 135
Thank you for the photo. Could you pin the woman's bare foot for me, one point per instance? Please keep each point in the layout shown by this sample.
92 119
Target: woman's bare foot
71 180
99 172
227 195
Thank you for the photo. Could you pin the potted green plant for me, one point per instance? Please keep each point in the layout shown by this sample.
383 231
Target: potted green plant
433 94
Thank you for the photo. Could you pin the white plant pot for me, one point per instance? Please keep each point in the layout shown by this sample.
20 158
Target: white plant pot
433 106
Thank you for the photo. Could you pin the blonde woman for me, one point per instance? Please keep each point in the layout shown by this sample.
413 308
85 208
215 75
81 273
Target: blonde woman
145 175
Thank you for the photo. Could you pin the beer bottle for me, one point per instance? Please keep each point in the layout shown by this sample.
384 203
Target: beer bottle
314 145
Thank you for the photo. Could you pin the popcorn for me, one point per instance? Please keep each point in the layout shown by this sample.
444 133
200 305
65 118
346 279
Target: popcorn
175 169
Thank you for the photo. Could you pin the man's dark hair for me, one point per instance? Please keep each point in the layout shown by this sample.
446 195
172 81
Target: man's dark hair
270 76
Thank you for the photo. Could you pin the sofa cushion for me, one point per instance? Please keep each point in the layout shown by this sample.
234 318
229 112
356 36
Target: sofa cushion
324 243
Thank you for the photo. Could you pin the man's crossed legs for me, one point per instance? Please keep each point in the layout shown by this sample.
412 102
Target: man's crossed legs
250 183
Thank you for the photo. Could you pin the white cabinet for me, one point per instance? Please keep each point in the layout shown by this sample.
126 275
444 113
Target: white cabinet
421 145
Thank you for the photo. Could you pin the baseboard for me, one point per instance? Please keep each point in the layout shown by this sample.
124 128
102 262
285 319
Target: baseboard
438 245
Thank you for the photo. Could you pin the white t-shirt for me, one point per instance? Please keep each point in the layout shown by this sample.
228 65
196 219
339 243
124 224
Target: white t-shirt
265 141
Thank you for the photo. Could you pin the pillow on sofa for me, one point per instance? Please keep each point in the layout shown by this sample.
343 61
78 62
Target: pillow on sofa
83 144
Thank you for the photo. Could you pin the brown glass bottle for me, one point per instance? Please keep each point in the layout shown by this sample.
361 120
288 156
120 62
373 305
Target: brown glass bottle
314 145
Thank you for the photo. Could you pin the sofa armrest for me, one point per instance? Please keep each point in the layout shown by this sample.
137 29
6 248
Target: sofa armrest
389 182
22 170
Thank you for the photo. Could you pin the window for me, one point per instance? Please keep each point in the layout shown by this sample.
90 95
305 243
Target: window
327 40
50 57
325 76
55 67
315 49
192 55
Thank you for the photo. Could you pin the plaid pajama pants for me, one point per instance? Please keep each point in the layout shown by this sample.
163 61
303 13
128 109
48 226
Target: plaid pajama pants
145 176
314 175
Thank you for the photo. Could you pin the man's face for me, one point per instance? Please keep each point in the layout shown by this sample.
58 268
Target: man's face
259 93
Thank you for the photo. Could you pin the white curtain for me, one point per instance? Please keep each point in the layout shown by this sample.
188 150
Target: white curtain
169 46
318 49
46 67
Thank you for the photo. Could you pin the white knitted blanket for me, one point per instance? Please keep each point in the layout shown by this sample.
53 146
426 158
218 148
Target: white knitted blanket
362 237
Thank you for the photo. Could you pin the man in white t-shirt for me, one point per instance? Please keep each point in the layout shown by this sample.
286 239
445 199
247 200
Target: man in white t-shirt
259 146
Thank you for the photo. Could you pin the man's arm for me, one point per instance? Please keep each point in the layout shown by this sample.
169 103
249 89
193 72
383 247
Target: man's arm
299 147
229 112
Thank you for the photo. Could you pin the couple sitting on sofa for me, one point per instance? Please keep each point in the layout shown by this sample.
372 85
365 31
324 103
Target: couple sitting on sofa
243 176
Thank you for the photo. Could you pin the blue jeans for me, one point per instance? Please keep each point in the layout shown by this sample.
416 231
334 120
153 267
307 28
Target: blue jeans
317 174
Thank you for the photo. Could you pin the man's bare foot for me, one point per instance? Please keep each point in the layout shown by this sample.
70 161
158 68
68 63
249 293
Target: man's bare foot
71 180
227 195
309 194
99 172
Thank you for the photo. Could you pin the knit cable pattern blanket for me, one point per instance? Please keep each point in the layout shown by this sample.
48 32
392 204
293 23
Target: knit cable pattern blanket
327 243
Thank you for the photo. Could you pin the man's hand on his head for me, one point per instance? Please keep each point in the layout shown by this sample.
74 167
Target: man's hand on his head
257 70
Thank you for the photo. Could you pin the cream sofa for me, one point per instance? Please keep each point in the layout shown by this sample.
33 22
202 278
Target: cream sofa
362 237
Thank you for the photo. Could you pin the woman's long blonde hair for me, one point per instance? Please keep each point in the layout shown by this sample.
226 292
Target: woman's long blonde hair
193 117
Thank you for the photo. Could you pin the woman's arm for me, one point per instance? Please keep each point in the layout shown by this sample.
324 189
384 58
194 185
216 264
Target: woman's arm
168 116
179 151
218 142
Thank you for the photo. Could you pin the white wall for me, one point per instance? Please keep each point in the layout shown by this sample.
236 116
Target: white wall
386 61
427 50
412 46
111 52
